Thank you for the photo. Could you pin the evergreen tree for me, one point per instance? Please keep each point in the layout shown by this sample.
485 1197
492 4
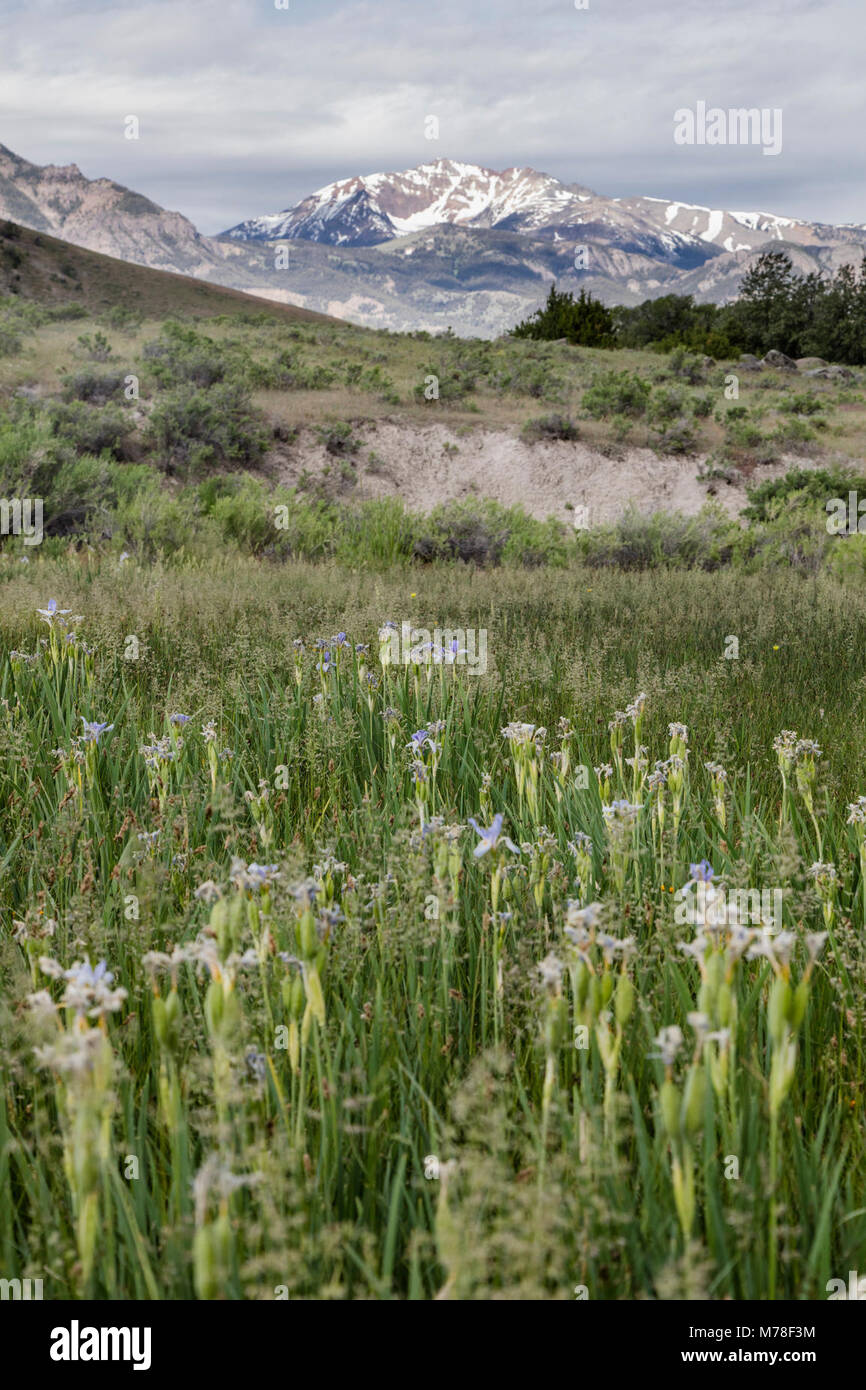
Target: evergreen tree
584 321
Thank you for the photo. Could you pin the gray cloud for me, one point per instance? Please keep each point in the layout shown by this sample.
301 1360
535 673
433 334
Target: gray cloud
244 108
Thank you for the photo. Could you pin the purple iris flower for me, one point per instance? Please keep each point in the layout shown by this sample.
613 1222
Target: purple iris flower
52 611
703 872
490 836
87 974
92 731
261 875
452 651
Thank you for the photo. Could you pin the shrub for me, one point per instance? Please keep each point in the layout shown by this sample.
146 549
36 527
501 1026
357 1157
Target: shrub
121 318
803 404
288 372
379 532
795 433
96 347
338 439
685 365
847 560
246 515
741 432
10 342
809 488
153 522
197 427
678 438
91 430
636 542
97 388
666 405
69 312
616 393
795 538
450 384
77 496
182 355
550 427
526 379
485 533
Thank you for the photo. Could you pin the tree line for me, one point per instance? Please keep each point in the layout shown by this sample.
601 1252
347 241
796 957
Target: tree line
811 315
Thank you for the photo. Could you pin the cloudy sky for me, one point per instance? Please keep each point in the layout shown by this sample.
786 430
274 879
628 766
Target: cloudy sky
245 108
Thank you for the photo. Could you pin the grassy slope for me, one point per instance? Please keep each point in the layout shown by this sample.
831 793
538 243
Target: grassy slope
505 395
56 272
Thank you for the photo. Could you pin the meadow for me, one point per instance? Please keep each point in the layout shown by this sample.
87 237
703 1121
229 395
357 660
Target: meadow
328 976
330 970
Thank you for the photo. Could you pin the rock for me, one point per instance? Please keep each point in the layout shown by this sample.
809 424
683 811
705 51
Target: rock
749 363
779 361
831 373
30 393
805 364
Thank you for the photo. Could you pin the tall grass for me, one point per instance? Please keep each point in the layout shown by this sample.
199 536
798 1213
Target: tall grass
345 1055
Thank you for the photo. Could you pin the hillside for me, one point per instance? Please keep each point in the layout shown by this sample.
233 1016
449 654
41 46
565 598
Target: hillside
340 415
50 271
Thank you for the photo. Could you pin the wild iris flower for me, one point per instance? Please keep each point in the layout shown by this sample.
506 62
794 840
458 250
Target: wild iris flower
703 872
261 875
668 1041
87 974
490 836
451 652
52 611
92 731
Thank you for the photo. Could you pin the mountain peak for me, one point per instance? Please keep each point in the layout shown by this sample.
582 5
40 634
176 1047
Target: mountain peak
441 190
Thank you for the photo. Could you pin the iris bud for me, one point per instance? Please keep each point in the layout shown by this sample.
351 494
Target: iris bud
670 1108
778 1009
693 1099
799 1000
624 1002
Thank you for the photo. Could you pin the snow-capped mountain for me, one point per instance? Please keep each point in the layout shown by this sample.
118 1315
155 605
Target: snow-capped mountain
366 210
447 244
730 231
371 209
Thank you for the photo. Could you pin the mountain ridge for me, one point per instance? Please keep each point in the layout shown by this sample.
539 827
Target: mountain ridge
447 244
372 208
